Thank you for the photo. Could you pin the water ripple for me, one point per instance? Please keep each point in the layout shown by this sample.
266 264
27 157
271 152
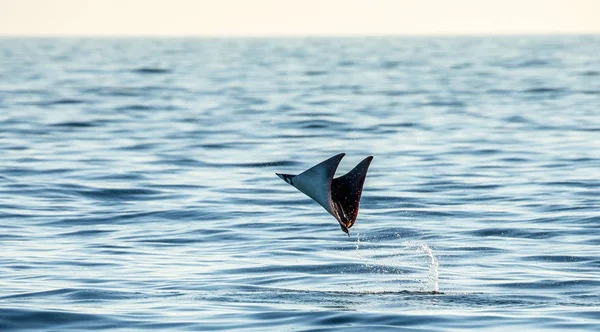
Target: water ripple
138 192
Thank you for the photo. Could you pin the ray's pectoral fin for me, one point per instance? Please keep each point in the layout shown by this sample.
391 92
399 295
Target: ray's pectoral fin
315 182
345 194
287 178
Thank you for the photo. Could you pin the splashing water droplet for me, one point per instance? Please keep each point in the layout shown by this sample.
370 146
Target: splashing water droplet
357 244
433 267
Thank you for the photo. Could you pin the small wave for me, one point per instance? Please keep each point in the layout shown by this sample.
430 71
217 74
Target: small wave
346 63
315 72
66 101
151 70
544 90
515 233
390 64
590 92
517 119
445 104
75 124
132 91
118 193
556 258
320 124
551 284
399 93
462 65
20 319
137 107
280 163
89 232
524 64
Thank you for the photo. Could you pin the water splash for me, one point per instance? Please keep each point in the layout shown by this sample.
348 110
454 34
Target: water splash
357 245
434 273
387 265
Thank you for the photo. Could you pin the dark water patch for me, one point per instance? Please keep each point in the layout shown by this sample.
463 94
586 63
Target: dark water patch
462 65
118 176
556 258
589 92
318 124
135 91
180 186
592 220
100 295
315 72
178 161
482 249
10 237
217 146
517 119
346 63
321 102
139 107
139 147
578 160
501 92
297 136
544 90
24 92
168 241
519 64
352 88
594 263
151 70
399 93
572 184
86 263
104 218
590 73
18 319
86 233
278 163
75 124
515 160
66 101
391 64
285 108
551 284
516 233
441 103
20 171
393 127
124 194
487 152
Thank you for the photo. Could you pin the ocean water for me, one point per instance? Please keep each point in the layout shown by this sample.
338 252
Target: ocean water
138 188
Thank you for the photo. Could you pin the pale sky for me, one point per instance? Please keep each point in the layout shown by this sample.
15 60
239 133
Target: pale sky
296 17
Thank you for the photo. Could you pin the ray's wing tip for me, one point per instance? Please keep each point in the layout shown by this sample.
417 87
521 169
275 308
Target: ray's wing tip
366 161
340 155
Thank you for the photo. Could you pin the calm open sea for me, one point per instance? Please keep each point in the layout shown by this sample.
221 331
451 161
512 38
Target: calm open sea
138 188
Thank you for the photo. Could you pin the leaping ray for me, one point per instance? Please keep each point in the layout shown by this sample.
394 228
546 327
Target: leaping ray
339 196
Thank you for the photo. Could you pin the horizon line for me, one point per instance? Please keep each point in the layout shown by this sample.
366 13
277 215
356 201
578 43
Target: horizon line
300 35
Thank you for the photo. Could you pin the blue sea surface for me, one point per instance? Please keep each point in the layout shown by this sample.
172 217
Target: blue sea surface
138 188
